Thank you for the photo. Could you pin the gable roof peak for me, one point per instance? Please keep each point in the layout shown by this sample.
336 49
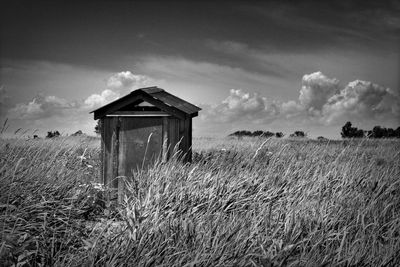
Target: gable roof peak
154 95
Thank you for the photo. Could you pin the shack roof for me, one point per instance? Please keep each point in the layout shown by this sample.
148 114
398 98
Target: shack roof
155 96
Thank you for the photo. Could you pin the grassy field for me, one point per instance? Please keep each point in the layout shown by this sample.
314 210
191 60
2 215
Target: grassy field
248 202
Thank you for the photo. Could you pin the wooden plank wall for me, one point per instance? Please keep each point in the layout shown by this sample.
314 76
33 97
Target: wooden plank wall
173 135
189 137
102 152
109 140
184 137
175 131
165 141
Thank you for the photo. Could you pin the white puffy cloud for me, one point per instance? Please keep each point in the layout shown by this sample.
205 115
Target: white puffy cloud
98 100
291 108
126 81
316 89
118 84
240 105
362 100
321 102
41 107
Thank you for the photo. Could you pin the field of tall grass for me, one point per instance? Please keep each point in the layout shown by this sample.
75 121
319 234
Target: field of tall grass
247 202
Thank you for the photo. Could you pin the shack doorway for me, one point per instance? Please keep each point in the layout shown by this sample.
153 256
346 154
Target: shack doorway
140 143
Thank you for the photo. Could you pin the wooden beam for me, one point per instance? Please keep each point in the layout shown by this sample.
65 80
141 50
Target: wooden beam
138 114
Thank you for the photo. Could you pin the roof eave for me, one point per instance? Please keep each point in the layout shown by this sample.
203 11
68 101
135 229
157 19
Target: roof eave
170 109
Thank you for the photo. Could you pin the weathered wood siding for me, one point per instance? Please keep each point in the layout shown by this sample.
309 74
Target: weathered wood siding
126 146
173 135
140 143
109 134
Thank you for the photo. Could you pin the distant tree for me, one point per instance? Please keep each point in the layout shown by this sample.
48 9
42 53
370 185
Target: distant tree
52 134
268 134
346 130
359 133
298 134
35 137
279 134
321 138
397 132
379 132
97 128
258 133
241 133
351 132
391 133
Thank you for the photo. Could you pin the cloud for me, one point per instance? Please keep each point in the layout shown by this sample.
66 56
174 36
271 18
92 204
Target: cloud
118 84
41 107
250 58
316 89
229 47
321 101
204 81
362 100
240 105
291 108
98 100
126 81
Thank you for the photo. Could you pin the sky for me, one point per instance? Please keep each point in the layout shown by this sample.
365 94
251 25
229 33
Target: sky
250 65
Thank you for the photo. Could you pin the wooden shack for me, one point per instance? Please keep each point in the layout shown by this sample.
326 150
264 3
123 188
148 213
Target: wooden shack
141 127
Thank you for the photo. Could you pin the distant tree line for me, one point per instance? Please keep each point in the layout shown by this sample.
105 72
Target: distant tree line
298 134
52 134
257 134
348 131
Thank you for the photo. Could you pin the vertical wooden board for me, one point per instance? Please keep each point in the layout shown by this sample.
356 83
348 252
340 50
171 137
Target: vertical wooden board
108 129
102 153
182 138
115 151
186 138
174 135
171 125
171 140
121 160
189 134
122 148
177 144
140 142
165 139
183 132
